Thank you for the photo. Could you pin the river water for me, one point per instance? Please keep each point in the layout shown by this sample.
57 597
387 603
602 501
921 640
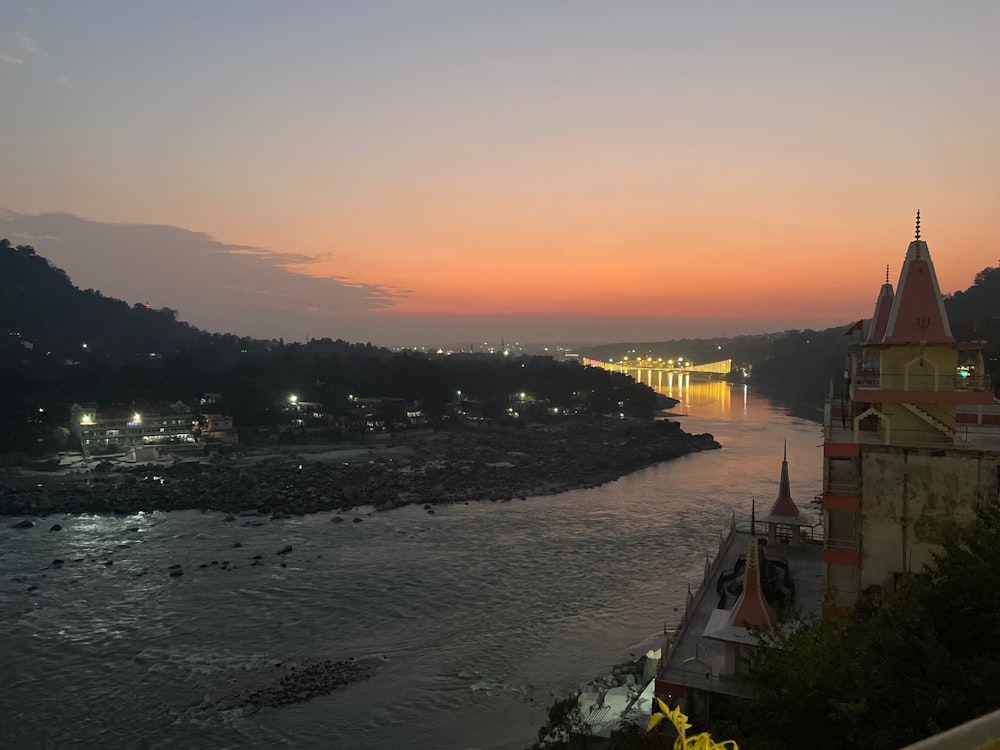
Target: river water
482 613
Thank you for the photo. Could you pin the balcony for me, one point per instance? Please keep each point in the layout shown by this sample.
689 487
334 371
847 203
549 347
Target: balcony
842 487
975 427
875 379
842 544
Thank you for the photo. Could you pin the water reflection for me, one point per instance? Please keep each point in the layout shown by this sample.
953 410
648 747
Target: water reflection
707 399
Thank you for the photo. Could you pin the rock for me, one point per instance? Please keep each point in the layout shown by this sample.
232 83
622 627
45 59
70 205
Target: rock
109 563
174 567
55 527
237 544
357 520
430 512
284 550
57 563
229 518
25 524
337 519
176 573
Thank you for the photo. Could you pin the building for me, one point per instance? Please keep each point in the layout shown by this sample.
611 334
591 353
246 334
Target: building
121 429
911 446
705 656
911 440
216 428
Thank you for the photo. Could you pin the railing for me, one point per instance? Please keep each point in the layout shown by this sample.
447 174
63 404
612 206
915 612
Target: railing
875 379
842 487
672 635
978 733
845 545
966 437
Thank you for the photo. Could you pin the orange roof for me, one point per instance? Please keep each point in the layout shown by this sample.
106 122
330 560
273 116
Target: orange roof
784 509
883 306
752 608
917 315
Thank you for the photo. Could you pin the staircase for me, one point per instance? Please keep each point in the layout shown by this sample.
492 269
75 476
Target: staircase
930 419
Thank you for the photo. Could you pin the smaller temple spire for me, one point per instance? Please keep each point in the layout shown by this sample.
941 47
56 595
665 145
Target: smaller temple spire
752 607
918 225
784 510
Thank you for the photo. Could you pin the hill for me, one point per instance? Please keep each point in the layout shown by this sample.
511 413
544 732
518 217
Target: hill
62 345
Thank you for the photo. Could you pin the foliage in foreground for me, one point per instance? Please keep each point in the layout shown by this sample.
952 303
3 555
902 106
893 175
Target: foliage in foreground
903 666
701 741
565 720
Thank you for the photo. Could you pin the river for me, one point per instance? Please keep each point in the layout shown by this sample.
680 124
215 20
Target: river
482 612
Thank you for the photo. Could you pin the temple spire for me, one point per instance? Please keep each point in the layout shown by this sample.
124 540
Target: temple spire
886 273
752 608
918 316
784 509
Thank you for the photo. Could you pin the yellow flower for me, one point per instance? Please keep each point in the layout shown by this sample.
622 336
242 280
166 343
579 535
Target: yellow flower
701 741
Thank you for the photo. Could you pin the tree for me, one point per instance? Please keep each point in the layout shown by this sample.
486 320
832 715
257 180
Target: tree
904 665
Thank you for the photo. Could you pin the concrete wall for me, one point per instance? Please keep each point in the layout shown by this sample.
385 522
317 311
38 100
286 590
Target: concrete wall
908 496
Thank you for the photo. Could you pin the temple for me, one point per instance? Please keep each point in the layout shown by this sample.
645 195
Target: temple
705 657
911 437
911 445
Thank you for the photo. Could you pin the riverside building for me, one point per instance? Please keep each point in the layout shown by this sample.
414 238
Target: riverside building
911 440
705 656
911 445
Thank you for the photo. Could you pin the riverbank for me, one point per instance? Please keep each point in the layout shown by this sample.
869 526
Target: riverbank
480 462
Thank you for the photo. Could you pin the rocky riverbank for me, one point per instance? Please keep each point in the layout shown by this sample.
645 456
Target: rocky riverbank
481 462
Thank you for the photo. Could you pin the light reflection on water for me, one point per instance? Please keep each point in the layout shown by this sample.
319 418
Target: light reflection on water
484 610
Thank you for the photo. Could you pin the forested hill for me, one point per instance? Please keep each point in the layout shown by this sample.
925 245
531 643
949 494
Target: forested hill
797 366
40 307
59 345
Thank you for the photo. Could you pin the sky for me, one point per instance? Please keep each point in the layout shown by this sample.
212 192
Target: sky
416 173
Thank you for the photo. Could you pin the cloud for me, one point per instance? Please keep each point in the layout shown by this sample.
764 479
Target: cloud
219 287
18 49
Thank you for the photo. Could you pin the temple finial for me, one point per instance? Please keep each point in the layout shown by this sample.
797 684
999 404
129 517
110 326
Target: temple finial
918 224
886 273
753 516
785 456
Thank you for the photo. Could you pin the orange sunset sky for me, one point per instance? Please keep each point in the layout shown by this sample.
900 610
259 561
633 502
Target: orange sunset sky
434 172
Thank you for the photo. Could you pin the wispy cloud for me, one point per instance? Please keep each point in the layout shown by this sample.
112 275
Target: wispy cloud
18 49
216 286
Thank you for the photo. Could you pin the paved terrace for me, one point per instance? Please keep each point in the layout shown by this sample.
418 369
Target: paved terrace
679 666
977 428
